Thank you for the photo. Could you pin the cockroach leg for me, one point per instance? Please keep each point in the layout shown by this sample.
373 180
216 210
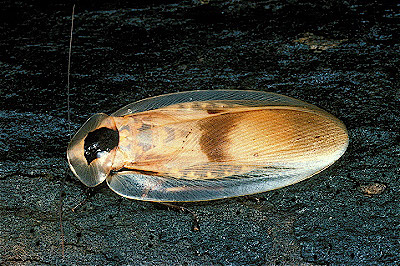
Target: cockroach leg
195 226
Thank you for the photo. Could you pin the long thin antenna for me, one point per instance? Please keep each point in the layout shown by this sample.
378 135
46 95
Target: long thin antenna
69 72
62 193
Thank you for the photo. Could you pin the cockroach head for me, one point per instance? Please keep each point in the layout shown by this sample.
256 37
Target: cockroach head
92 150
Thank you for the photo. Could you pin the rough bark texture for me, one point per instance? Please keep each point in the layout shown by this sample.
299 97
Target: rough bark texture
342 56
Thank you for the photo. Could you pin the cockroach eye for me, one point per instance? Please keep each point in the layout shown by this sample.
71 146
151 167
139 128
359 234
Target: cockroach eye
100 142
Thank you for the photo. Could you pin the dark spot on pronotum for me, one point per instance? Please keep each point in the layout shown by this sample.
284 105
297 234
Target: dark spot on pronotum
98 141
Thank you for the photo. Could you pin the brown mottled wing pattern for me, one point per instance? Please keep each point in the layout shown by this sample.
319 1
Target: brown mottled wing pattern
247 144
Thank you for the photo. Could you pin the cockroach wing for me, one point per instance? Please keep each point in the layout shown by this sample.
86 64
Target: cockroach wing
259 142
166 189
140 186
243 97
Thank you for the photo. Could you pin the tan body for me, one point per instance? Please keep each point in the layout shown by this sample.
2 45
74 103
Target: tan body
197 149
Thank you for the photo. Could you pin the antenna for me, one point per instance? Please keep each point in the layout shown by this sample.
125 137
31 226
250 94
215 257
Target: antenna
69 73
62 194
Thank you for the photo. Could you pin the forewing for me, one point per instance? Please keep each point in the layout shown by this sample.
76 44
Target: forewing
243 97
167 189
241 153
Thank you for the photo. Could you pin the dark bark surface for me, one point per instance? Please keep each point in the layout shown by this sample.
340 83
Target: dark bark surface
342 56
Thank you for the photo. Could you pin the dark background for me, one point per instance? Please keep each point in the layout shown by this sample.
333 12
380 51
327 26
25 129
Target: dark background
342 56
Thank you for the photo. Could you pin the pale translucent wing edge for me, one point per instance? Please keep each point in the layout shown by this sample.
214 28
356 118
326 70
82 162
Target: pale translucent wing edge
166 189
263 99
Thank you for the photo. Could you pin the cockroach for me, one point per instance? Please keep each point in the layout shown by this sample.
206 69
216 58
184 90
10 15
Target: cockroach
206 145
